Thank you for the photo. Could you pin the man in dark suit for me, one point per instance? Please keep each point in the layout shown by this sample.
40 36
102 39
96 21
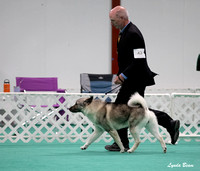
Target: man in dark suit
134 73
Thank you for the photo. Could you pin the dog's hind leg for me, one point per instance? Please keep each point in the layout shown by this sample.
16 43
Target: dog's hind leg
117 139
135 132
96 134
152 127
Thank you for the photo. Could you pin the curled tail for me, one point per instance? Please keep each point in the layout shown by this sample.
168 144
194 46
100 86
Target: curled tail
137 99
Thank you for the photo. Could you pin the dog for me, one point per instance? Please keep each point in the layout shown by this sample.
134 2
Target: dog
111 117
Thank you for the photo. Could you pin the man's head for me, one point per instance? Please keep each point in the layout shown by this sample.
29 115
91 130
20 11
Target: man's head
119 17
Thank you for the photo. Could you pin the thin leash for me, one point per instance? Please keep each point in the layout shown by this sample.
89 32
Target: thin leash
112 89
116 86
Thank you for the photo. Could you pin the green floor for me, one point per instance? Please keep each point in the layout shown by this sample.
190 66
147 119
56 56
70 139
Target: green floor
68 156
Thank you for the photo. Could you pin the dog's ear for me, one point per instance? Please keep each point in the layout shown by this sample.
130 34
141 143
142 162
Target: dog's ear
89 100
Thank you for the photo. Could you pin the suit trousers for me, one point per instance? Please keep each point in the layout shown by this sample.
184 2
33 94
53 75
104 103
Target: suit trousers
123 97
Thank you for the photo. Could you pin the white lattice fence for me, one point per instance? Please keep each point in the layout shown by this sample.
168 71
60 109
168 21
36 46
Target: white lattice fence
44 117
186 108
38 117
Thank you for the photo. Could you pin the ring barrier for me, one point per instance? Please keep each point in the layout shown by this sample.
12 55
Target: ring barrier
44 116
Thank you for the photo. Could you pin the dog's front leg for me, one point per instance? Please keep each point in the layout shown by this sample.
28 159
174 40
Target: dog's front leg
96 134
117 139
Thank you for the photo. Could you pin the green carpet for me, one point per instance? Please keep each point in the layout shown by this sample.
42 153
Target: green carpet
68 156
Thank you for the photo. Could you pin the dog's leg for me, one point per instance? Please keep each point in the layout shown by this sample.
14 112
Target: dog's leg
135 132
117 139
152 127
96 134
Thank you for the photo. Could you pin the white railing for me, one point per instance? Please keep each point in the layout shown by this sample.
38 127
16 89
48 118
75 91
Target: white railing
45 116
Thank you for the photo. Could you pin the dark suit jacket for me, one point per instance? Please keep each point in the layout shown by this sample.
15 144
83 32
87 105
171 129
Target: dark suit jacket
131 65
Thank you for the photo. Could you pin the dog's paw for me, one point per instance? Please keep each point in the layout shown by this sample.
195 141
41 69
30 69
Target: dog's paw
165 150
83 147
129 151
122 151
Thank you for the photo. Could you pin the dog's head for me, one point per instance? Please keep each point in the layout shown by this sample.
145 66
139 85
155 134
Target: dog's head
81 104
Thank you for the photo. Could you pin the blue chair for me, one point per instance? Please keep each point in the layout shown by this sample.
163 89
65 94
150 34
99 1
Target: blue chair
98 83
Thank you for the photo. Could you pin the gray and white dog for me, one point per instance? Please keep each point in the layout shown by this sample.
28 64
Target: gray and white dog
111 117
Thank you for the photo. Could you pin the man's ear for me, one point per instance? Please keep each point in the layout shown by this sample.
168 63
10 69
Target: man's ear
89 100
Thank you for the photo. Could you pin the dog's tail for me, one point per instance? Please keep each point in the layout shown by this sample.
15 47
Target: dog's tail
136 99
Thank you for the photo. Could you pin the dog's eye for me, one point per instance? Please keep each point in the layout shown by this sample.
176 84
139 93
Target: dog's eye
77 104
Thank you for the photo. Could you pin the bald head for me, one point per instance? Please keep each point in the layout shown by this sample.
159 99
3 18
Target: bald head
119 17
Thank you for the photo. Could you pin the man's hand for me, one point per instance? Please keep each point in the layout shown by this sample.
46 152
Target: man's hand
119 79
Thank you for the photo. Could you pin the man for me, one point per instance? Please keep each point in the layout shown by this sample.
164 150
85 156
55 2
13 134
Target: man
134 73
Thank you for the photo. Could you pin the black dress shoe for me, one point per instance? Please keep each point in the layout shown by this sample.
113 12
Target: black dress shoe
175 131
115 147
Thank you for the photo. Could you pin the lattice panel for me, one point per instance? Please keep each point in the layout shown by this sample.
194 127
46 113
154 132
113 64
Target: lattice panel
46 117
43 117
160 102
186 108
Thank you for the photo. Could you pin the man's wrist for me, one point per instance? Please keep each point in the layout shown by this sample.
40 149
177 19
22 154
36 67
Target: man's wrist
124 76
120 79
